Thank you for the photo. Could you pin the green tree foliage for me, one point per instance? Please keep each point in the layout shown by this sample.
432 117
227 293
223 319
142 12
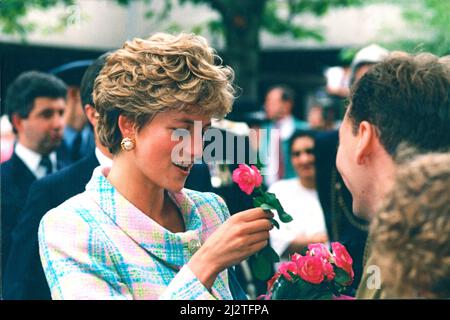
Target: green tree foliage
240 24
13 12
431 17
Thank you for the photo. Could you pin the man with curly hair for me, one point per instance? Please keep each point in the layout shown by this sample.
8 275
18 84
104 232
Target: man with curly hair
410 235
404 99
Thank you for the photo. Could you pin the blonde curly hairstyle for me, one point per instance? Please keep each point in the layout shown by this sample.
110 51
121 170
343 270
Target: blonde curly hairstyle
161 73
411 234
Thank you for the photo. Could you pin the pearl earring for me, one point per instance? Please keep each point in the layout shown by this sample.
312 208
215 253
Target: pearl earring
127 144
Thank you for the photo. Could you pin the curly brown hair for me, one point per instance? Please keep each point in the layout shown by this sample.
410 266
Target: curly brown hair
407 97
411 234
161 73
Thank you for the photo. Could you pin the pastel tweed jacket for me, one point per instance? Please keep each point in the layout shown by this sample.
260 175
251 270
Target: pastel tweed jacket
97 245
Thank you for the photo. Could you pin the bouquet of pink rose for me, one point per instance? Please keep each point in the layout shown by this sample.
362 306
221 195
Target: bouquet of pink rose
319 274
250 180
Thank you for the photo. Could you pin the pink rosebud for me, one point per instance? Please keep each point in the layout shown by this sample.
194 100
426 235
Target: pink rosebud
319 250
248 178
342 258
295 257
311 269
272 281
288 266
342 297
328 270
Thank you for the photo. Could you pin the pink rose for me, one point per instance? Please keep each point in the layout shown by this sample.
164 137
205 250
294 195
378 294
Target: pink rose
319 250
311 269
248 178
342 258
287 266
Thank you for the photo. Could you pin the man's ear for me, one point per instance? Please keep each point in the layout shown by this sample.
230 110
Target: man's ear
91 114
288 106
17 122
366 135
126 126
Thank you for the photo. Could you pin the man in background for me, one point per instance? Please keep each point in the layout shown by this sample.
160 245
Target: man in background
78 134
279 105
23 275
35 104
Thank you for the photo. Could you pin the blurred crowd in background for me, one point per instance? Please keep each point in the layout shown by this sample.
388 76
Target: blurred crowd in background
38 142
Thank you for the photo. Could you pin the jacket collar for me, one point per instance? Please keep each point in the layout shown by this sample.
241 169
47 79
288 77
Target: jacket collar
175 249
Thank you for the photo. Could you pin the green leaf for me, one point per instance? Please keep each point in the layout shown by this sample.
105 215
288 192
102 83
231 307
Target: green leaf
271 255
262 262
261 267
341 277
272 200
266 206
284 217
305 290
275 223
283 289
258 201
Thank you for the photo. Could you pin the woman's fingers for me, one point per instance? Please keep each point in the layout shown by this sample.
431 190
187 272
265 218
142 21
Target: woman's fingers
258 226
252 214
257 237
258 246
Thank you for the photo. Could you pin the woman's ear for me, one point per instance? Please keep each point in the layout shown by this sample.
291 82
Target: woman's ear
366 135
126 127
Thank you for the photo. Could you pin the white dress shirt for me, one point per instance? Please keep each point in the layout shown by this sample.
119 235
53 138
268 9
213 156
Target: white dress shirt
102 159
32 160
286 127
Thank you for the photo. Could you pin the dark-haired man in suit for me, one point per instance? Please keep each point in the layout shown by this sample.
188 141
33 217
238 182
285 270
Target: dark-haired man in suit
35 104
78 133
23 275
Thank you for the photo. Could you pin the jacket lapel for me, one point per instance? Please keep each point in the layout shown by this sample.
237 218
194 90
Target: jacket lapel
172 248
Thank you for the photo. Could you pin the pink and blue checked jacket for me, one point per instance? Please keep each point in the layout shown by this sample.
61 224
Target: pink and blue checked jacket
97 245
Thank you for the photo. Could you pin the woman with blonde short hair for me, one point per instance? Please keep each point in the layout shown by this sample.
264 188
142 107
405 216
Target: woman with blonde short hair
135 233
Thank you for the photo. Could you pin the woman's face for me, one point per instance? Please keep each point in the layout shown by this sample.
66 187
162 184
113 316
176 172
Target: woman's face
167 147
302 157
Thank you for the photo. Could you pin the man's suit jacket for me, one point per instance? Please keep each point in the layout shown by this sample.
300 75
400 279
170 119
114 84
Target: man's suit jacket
23 275
16 179
15 182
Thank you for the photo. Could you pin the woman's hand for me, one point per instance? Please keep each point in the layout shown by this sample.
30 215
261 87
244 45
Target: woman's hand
242 235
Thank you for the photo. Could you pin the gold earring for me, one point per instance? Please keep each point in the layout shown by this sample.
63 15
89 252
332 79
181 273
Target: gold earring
127 144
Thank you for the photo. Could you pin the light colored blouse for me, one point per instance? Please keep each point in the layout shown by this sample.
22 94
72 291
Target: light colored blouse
97 245
304 206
